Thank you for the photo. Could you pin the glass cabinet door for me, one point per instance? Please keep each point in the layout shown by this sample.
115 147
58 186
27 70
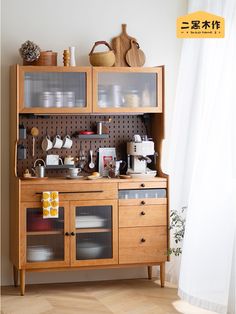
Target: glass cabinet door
128 90
45 240
95 228
54 91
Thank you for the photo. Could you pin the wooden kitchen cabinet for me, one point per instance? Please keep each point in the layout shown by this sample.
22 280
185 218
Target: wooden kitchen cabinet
133 213
129 90
74 90
50 89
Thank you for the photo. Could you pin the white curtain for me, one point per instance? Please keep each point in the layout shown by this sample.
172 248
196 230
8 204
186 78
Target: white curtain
202 163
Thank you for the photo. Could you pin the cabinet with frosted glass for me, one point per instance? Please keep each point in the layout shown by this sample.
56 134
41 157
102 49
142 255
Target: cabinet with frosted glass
54 89
131 90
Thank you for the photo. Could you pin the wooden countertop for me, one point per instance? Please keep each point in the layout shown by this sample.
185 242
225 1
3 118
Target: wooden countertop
59 180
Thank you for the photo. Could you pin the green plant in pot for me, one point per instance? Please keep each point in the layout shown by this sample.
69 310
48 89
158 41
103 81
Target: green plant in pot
177 225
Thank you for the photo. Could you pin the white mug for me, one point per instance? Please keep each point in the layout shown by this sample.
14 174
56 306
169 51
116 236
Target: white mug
46 143
67 142
74 171
53 160
57 142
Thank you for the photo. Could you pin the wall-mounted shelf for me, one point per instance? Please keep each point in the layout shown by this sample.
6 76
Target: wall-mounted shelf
93 136
58 167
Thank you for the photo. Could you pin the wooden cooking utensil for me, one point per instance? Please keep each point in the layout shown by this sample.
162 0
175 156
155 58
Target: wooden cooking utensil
135 57
121 44
34 132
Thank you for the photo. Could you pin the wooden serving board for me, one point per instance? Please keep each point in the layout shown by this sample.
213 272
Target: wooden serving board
135 57
121 45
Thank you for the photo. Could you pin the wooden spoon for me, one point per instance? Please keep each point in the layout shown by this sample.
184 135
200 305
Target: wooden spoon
34 132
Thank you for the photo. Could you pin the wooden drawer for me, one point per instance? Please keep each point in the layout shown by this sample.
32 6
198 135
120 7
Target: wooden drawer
77 191
135 216
142 185
142 245
143 202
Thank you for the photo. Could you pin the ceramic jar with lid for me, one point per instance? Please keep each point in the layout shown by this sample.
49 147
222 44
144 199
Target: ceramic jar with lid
131 98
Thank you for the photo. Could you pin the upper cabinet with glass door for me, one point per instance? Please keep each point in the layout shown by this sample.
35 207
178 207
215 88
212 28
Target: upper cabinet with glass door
134 90
45 89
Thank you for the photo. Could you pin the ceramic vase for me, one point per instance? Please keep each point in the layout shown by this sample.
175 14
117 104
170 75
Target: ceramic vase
72 56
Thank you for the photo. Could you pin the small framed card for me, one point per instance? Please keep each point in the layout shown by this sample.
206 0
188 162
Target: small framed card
105 156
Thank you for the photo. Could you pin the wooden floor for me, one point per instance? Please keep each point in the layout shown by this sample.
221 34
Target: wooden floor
137 296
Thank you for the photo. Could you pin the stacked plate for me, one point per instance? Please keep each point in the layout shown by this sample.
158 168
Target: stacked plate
89 221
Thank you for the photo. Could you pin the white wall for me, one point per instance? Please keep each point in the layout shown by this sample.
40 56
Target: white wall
57 24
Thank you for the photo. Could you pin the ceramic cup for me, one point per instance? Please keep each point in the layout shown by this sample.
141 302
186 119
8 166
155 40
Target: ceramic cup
46 144
57 142
67 142
74 172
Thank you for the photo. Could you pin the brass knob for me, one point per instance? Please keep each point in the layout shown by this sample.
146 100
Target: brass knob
143 203
143 213
67 233
143 240
142 185
72 233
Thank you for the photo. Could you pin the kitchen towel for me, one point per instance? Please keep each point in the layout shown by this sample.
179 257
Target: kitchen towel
50 203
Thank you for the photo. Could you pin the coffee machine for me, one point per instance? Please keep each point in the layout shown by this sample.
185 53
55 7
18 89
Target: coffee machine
138 151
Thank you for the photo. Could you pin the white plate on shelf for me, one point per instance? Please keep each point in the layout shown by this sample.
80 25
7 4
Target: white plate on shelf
75 177
89 221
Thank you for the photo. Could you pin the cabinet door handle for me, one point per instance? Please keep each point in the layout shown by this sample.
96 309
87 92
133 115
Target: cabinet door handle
143 240
142 185
67 233
74 192
72 233
142 203
143 213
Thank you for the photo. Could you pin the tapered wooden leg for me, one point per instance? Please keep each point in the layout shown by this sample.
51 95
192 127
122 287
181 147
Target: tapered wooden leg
149 272
162 274
15 276
22 281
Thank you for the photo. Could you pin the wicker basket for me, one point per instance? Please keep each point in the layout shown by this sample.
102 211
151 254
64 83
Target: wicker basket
48 58
106 58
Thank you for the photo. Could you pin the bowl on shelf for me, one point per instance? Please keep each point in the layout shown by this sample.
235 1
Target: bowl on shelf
89 250
39 253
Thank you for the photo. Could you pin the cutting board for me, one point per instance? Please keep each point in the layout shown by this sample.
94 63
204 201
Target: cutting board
135 57
121 45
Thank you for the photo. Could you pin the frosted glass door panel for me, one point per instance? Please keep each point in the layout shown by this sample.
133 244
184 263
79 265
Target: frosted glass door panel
45 237
54 90
93 232
127 90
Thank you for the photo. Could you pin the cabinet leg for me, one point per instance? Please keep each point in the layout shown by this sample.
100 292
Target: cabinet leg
162 274
22 281
15 276
150 272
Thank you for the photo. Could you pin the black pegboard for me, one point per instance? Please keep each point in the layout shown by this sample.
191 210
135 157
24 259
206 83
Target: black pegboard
121 129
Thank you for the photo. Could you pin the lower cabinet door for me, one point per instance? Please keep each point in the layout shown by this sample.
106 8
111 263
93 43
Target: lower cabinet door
43 243
94 229
142 245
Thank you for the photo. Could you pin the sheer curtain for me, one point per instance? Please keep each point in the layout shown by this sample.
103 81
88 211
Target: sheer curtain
202 164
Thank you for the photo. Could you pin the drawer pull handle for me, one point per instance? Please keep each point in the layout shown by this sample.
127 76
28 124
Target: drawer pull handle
72 233
142 185
143 203
143 240
67 234
74 192
143 213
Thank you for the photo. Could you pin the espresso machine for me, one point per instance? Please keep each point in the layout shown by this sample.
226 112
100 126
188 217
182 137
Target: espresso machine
138 151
